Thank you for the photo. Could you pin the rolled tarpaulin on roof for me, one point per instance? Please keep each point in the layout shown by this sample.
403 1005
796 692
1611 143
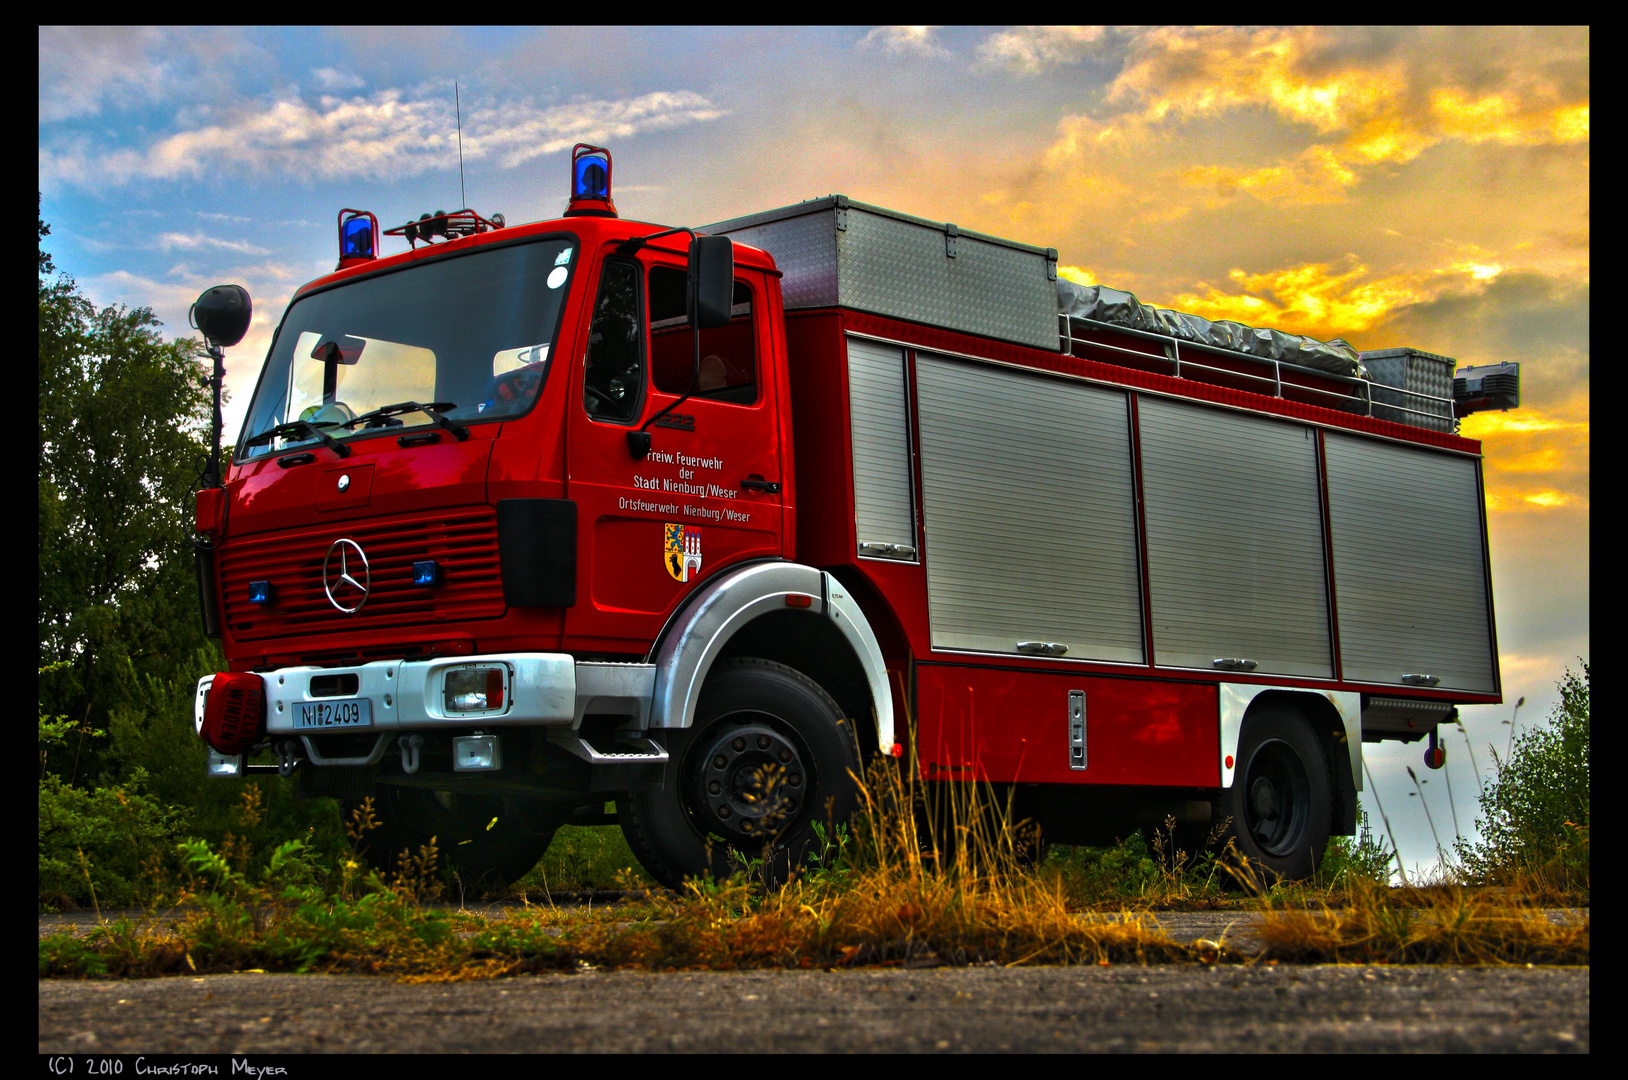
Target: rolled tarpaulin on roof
1099 303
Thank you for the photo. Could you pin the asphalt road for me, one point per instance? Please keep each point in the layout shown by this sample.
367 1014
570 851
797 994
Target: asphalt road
1282 1008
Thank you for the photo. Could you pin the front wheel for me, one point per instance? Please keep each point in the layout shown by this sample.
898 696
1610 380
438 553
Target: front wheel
769 756
1281 800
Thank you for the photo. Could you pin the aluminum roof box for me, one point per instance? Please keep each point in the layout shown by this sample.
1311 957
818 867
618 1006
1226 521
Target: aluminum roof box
1412 387
835 252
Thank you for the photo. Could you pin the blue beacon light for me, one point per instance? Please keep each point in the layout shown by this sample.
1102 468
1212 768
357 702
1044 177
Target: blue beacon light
262 593
590 182
358 237
427 572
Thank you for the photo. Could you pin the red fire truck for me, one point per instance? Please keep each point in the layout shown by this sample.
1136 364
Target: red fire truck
526 520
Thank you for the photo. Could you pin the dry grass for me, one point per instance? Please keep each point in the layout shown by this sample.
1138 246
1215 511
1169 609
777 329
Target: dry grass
908 884
1446 924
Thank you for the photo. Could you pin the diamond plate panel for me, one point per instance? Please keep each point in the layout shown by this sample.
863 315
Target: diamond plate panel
893 265
805 249
1418 372
898 268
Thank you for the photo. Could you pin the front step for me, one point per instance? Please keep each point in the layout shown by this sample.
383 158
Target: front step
651 752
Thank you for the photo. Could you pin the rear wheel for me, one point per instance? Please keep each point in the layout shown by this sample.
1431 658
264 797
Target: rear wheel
769 755
1281 798
488 840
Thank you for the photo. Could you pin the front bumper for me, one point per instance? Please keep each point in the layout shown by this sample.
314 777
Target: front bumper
543 690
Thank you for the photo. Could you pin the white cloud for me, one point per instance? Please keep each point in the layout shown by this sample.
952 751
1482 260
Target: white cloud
1031 50
388 134
905 41
333 79
80 66
171 241
518 133
270 285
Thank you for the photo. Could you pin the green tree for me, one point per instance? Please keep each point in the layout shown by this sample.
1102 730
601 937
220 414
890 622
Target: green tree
1534 814
123 428
123 437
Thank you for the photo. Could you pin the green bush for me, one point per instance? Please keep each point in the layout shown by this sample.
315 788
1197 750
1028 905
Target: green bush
1534 813
100 840
1359 856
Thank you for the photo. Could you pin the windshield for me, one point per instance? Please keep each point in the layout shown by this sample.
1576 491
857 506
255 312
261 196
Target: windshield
469 336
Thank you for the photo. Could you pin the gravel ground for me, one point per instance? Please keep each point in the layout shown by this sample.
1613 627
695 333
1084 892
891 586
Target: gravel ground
1186 1008
1279 1008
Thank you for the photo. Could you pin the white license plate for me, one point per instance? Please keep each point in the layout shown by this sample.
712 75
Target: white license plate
341 713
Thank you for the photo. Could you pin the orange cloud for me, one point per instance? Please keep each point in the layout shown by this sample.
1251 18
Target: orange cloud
1506 119
1535 460
1194 72
1310 299
1316 176
1375 111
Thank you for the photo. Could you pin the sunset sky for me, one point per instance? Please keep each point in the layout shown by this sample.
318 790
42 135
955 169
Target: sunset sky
1423 187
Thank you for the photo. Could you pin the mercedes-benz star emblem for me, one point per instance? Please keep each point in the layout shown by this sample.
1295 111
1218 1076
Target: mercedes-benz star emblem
346 584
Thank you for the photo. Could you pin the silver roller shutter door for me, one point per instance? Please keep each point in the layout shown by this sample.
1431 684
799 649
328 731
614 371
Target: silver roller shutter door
1409 570
1030 515
884 509
1235 540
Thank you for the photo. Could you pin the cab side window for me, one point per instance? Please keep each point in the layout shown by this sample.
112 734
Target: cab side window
728 353
613 383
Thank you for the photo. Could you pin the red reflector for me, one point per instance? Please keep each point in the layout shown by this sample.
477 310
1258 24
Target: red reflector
210 512
1229 761
494 688
794 599
234 712
897 751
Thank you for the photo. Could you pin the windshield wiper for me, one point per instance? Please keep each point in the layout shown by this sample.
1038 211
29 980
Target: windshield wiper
458 431
301 427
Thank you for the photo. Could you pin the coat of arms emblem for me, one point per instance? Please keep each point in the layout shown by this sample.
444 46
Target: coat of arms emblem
681 551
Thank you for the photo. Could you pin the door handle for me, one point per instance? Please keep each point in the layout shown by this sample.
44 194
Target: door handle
757 483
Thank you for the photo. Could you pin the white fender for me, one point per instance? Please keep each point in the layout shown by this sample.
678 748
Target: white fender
723 606
1235 702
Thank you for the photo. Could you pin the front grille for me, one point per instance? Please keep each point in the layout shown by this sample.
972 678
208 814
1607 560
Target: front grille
464 542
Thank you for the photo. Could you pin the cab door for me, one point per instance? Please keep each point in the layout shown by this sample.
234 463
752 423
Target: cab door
709 493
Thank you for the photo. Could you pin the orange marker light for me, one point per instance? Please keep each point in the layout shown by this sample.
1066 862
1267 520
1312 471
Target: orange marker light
798 599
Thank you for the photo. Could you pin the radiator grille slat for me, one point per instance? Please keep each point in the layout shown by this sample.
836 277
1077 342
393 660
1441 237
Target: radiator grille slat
463 542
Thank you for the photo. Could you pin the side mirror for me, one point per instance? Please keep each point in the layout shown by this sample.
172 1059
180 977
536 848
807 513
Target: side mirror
712 277
222 315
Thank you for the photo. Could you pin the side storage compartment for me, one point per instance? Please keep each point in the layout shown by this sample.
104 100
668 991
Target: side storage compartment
879 414
1410 566
1030 514
1235 541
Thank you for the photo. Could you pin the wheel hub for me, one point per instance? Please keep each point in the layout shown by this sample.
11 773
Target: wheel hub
748 784
1279 795
1263 796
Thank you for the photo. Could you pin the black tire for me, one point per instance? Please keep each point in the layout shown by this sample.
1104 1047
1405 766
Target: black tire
1281 798
769 755
489 857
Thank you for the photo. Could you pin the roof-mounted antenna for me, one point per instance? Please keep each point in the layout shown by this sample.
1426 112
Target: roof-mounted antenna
458 104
